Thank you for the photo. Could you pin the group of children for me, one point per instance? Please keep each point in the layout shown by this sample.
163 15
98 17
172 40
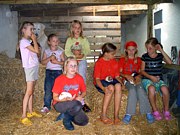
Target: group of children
141 76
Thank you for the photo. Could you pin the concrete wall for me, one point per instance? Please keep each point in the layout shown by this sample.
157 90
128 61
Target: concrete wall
170 27
8 31
135 30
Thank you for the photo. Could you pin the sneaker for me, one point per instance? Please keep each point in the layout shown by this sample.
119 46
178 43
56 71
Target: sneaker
60 116
45 110
127 118
157 115
150 118
26 121
167 115
33 114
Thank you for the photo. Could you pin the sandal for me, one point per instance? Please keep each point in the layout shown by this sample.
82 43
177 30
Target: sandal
167 115
106 120
157 115
26 121
116 121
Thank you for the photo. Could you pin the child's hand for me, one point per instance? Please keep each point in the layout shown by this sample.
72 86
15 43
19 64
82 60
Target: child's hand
33 37
155 78
107 91
130 78
137 80
79 98
158 47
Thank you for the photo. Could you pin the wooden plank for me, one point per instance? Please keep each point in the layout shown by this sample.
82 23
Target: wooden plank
104 39
102 33
52 19
85 26
97 47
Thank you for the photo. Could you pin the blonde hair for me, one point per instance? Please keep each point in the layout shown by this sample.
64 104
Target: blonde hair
71 28
67 61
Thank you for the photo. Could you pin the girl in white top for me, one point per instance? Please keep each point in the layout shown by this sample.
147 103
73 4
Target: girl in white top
31 65
53 58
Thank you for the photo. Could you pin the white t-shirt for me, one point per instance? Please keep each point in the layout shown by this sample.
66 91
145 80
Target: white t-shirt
57 54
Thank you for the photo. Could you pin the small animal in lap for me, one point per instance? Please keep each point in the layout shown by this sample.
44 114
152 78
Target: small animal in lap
107 82
129 66
70 107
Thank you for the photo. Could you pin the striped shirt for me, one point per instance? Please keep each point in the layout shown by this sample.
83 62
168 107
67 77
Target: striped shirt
153 66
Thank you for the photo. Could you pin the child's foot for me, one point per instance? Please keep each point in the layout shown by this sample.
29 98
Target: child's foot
150 118
33 114
116 121
45 110
86 108
106 120
127 118
157 115
26 121
167 115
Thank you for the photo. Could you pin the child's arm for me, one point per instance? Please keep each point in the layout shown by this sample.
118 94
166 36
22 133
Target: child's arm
56 98
34 48
166 57
45 59
55 61
152 78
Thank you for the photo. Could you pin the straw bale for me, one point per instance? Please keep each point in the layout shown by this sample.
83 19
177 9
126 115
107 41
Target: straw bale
12 89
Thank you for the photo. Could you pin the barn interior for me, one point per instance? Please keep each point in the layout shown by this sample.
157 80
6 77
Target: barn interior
103 21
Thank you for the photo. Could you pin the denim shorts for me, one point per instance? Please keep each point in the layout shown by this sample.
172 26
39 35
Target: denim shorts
105 84
146 83
31 74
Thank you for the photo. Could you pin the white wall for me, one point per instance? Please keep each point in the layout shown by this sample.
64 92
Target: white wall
135 30
170 28
8 31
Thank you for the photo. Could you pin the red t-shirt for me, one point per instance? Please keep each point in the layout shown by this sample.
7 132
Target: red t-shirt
71 85
129 66
104 68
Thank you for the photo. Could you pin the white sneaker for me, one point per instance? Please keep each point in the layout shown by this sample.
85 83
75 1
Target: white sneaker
44 110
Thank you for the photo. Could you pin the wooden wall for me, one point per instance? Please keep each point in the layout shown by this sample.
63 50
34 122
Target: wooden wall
96 27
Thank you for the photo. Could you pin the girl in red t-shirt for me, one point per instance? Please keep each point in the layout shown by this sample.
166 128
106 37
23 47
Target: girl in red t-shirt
70 107
107 81
129 66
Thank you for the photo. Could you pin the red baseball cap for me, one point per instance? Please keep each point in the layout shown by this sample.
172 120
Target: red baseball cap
130 43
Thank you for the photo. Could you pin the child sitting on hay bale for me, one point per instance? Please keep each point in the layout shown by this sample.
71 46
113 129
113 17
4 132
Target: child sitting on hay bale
130 71
107 82
152 76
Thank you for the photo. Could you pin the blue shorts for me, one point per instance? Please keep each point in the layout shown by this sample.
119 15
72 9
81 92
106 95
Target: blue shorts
106 84
146 83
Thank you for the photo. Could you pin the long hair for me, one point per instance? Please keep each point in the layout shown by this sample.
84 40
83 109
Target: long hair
107 47
71 28
131 43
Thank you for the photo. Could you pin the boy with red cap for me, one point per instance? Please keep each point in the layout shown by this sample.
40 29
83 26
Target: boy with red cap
129 66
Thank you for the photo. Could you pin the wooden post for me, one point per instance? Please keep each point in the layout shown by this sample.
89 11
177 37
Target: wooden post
149 21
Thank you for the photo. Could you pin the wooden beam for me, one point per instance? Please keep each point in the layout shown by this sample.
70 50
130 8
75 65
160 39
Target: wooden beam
149 21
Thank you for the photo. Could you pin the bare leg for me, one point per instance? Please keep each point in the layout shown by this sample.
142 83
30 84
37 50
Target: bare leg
152 97
165 93
107 99
117 100
30 103
27 95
